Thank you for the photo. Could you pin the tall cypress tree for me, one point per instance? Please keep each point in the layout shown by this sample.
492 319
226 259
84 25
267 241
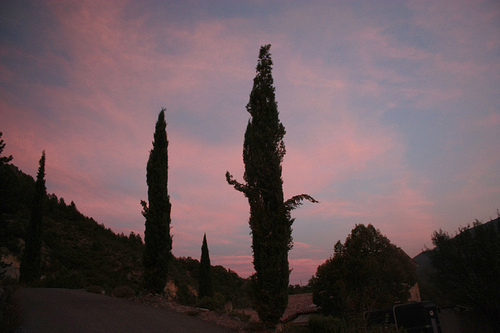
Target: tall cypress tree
157 239
205 277
30 264
270 220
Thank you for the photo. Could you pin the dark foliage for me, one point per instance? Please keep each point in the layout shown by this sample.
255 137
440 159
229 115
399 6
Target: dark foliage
3 159
158 242
205 277
213 303
322 324
11 316
298 289
366 272
16 199
32 257
185 271
76 251
123 292
270 220
468 268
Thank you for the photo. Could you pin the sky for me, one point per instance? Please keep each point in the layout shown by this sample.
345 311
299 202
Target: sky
392 113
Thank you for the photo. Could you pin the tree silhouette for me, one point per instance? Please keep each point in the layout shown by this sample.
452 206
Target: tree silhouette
3 159
30 264
468 267
205 276
270 220
157 239
366 272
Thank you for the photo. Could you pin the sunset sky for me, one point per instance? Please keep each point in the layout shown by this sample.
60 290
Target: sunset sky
392 112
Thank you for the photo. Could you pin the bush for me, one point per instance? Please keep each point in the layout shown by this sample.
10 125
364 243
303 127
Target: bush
95 290
240 316
123 292
350 324
193 313
212 303
10 313
63 279
322 324
184 295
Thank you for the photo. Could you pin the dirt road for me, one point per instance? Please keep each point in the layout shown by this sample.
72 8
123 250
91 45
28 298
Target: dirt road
64 310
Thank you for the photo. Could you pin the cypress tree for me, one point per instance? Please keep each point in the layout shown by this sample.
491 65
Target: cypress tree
270 220
30 264
205 277
157 239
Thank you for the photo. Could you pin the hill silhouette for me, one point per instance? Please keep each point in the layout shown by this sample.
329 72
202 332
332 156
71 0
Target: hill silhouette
78 252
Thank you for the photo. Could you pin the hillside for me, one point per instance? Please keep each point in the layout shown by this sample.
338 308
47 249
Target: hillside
78 252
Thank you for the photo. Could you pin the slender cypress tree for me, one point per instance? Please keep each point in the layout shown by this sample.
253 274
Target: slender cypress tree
205 277
157 239
30 264
270 220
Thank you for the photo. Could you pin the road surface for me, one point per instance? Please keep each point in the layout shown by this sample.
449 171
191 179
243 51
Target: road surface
65 310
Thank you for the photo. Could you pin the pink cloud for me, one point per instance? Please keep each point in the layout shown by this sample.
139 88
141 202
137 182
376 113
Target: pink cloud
96 126
346 147
303 270
241 264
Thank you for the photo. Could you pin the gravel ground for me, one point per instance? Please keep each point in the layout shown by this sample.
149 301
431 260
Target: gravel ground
75 311
231 322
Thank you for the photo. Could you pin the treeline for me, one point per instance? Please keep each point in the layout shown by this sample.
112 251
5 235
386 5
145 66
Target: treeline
78 252
367 272
465 270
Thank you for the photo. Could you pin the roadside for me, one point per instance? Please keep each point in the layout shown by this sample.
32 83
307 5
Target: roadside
10 314
65 310
236 320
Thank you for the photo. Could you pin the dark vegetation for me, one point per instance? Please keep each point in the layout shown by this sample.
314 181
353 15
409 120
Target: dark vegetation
78 252
466 270
205 275
460 274
365 273
157 239
270 220
32 256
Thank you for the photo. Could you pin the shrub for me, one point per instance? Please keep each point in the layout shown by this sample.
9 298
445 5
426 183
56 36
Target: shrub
184 294
10 313
193 313
212 303
63 279
95 290
240 316
322 324
123 292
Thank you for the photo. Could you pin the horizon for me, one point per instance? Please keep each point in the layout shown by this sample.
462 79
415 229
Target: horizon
391 111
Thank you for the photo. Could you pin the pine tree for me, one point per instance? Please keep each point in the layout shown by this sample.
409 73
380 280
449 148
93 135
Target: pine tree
30 264
157 239
205 277
270 220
